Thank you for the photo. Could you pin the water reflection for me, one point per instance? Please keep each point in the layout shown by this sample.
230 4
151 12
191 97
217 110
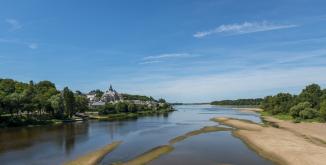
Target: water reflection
25 137
57 144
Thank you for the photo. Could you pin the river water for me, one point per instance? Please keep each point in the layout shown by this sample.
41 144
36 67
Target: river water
58 144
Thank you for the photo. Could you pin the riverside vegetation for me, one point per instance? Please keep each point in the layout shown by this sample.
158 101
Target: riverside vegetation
42 103
309 105
37 103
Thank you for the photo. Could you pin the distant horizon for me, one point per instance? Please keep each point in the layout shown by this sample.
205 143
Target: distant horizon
194 102
183 51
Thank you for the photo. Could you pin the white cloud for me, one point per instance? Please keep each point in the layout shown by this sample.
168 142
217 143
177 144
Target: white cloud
246 27
150 62
33 45
15 24
167 56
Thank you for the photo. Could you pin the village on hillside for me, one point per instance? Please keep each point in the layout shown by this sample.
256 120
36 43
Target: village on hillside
111 96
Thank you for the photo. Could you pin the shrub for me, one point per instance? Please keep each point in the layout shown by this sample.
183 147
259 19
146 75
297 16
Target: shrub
323 110
308 113
295 110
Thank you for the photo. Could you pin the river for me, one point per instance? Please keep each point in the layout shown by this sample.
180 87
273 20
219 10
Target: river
60 143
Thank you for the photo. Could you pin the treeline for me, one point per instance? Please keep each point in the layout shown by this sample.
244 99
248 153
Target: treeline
239 102
137 97
309 104
130 107
23 103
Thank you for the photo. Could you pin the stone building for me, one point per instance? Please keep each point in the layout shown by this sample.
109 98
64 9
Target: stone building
109 96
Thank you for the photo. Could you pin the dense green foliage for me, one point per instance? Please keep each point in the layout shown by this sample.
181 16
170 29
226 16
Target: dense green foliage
238 102
137 97
98 93
130 107
29 103
309 104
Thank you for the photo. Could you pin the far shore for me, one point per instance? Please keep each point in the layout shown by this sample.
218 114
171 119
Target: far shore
296 144
125 116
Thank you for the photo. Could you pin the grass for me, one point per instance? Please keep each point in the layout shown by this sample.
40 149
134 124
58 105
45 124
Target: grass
290 118
94 157
278 116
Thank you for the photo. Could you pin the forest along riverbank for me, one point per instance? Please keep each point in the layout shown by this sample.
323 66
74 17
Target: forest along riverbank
289 144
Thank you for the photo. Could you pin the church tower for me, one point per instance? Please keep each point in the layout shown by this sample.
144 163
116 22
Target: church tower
110 89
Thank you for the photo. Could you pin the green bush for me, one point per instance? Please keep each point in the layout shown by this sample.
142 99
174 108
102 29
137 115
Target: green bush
295 110
308 113
323 110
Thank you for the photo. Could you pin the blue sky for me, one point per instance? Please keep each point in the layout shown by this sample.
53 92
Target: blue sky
182 50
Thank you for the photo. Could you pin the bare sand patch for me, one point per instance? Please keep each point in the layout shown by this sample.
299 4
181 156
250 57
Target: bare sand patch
94 157
238 123
150 155
203 130
161 150
314 131
279 145
249 110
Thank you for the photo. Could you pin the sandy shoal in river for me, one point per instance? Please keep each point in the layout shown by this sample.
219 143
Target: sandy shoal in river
280 145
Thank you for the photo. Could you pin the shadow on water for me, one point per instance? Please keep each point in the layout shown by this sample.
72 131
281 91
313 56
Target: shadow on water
24 137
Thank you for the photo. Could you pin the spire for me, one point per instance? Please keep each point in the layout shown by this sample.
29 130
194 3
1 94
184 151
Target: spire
111 89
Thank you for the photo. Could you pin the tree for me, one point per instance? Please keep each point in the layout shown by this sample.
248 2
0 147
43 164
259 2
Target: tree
281 103
44 91
308 113
57 105
266 104
121 107
323 110
69 102
132 107
161 100
15 102
98 93
312 93
109 108
81 103
297 109
256 101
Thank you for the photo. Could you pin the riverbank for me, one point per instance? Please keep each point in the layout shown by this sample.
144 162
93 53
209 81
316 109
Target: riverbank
7 121
312 130
124 116
283 146
22 121
248 110
315 131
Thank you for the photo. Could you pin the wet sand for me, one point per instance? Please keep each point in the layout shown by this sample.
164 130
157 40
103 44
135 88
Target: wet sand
150 155
282 146
203 130
93 158
165 149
